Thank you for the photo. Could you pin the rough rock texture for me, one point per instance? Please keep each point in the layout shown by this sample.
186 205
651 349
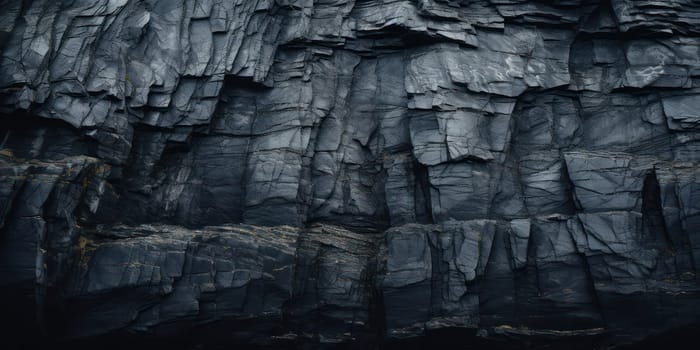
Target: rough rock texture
350 173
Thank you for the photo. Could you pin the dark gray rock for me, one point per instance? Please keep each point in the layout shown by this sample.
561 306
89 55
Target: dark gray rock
374 173
426 276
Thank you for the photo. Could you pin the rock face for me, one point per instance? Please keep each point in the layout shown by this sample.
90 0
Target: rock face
349 173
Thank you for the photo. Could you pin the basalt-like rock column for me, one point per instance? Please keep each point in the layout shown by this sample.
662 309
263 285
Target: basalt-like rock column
366 173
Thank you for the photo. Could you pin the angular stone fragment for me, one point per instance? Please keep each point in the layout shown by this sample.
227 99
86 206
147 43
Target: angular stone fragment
605 180
682 112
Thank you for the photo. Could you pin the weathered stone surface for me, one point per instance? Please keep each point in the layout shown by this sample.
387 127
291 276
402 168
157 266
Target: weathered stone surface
426 277
349 173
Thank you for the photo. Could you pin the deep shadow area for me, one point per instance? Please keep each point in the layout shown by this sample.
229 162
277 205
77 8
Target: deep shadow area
682 338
